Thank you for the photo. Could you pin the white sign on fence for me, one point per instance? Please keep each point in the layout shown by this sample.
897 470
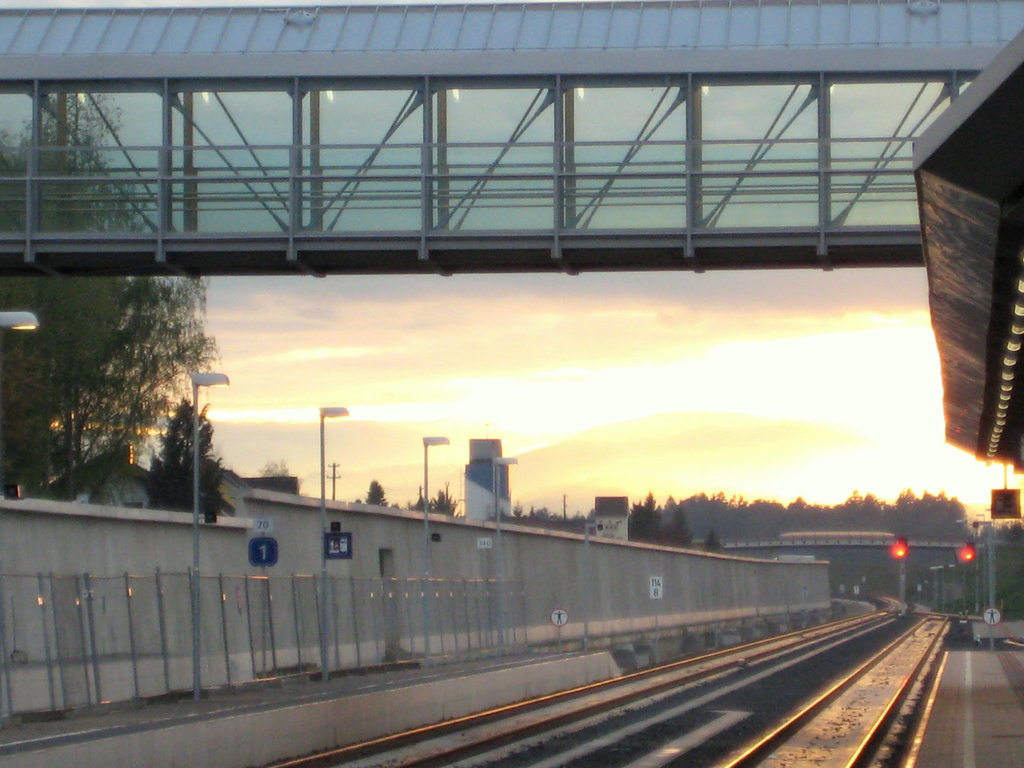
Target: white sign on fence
657 587
484 542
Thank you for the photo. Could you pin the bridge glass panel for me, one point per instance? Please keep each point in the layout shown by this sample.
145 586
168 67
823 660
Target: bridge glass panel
15 133
873 127
99 160
758 155
362 163
625 158
230 161
492 158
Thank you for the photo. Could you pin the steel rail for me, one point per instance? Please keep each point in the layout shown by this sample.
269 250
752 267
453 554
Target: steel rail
886 719
757 752
727 659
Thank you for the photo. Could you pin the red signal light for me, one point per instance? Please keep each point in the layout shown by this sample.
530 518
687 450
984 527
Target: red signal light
967 552
900 549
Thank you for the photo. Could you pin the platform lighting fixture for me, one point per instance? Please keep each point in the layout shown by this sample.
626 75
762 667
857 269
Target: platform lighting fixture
327 412
428 442
10 321
206 379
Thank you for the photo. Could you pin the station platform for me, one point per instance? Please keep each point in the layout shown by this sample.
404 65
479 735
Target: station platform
284 718
975 718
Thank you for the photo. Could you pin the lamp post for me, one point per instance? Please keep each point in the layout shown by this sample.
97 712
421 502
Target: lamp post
495 463
335 412
14 321
427 443
198 380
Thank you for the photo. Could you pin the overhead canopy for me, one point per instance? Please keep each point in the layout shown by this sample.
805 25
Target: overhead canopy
969 167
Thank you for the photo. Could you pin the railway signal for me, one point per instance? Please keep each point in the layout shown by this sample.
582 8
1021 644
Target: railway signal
900 549
967 552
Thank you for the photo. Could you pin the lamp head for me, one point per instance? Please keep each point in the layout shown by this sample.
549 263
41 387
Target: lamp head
428 441
506 461
19 321
209 379
333 412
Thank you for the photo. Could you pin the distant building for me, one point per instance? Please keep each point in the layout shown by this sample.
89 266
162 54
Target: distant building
486 482
612 517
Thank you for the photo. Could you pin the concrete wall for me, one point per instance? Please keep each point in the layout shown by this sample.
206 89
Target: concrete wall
603 586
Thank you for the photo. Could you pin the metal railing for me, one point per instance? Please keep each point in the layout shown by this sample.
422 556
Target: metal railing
74 641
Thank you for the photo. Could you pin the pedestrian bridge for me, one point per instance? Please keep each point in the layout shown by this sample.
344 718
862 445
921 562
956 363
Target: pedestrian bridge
451 138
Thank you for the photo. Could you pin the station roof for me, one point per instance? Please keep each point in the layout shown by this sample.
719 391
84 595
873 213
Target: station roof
719 36
969 167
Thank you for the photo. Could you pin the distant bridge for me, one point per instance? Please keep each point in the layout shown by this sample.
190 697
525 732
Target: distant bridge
876 539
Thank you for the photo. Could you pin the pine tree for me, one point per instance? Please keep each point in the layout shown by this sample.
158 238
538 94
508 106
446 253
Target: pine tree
170 479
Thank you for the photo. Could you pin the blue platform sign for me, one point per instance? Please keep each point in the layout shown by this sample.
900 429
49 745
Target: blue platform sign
262 551
338 545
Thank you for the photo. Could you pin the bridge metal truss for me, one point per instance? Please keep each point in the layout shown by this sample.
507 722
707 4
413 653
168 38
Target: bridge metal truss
436 192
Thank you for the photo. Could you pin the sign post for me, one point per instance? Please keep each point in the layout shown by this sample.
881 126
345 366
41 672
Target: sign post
559 617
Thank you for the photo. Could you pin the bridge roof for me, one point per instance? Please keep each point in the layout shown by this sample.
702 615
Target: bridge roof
509 38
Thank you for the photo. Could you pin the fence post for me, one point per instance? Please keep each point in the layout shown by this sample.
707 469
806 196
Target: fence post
298 630
41 600
91 619
131 633
333 621
377 622
355 620
224 628
162 621
270 623
60 659
5 671
436 610
248 622
82 630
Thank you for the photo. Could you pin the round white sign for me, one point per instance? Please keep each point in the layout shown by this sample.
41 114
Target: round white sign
992 616
559 617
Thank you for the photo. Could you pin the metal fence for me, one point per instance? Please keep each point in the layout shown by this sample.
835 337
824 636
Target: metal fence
71 641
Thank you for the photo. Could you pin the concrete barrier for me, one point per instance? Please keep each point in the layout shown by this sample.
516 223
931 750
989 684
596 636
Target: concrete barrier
278 733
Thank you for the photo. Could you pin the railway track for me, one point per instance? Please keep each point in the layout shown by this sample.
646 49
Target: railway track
827 696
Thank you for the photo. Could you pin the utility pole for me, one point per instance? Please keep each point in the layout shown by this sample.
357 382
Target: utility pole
565 514
334 479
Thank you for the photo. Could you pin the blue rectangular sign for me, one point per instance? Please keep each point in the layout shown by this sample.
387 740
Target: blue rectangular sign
338 545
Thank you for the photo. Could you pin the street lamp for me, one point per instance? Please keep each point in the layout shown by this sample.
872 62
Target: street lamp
427 443
198 380
14 321
329 412
495 463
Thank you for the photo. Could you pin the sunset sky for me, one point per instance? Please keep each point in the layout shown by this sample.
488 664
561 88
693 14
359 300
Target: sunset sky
765 384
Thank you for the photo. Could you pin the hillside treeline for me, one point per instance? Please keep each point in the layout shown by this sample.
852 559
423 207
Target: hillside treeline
735 518
712 519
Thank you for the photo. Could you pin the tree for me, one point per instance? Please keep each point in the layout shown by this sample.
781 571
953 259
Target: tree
645 520
171 478
375 495
712 543
108 360
445 503
275 469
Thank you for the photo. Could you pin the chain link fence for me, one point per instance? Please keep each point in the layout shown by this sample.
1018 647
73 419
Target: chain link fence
74 641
